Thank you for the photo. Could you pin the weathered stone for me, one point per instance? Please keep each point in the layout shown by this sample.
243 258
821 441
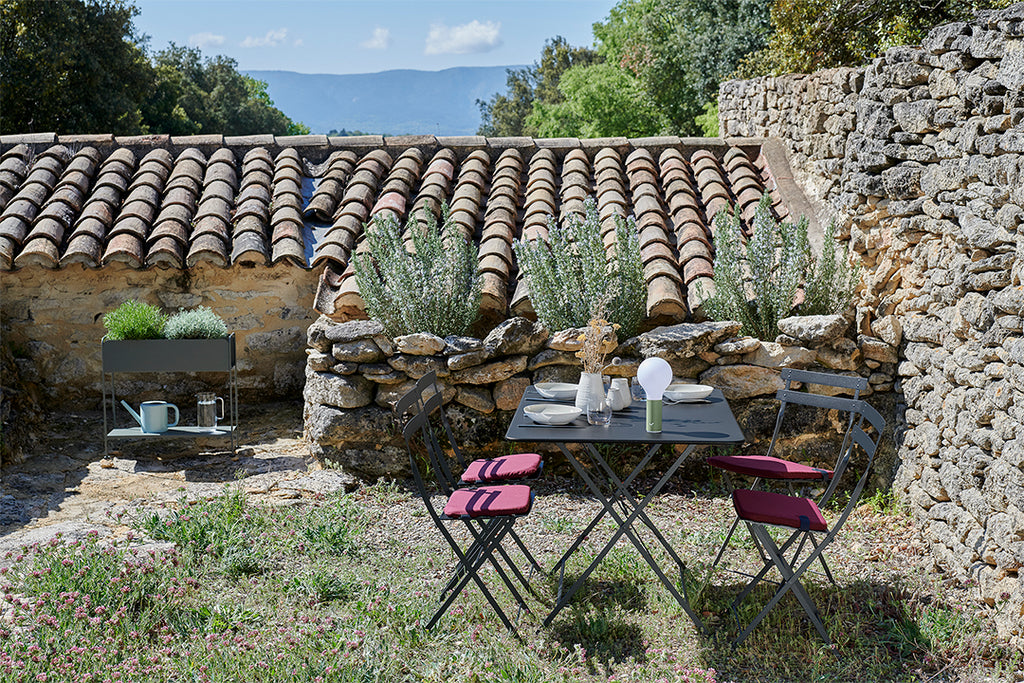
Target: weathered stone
888 329
321 482
358 351
552 357
353 330
920 328
454 345
772 355
977 310
814 329
876 349
509 392
491 372
346 367
516 336
420 344
739 345
477 398
566 340
679 341
417 366
842 355
903 181
468 359
357 440
318 360
382 373
324 388
743 381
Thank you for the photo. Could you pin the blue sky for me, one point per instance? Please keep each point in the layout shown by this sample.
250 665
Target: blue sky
363 36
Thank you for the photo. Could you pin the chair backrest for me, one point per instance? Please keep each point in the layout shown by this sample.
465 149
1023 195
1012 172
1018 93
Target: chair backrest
788 395
420 440
416 402
865 416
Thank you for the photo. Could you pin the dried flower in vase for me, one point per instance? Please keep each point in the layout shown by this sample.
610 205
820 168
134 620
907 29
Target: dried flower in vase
599 339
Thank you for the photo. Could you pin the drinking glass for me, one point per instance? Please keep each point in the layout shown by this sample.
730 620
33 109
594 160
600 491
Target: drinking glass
599 411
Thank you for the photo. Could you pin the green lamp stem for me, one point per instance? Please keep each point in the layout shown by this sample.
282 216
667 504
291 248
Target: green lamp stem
653 416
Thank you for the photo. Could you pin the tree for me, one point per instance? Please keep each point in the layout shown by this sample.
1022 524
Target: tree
77 66
71 67
507 114
818 34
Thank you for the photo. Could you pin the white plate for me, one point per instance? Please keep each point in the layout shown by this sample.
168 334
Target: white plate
687 392
552 415
561 391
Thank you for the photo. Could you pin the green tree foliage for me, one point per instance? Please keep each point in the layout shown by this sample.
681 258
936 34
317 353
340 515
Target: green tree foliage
507 114
818 34
71 67
77 66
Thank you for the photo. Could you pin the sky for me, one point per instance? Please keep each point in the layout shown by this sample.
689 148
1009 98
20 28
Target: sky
366 36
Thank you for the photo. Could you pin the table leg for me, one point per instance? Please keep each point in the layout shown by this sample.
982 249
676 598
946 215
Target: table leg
625 527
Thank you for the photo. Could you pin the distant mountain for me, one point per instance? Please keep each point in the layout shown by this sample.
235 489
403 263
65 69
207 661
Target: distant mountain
400 102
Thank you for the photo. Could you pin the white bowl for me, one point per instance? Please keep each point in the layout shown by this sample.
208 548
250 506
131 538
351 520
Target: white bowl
561 391
687 392
552 415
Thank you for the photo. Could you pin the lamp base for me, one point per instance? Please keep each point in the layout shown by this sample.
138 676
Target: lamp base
653 416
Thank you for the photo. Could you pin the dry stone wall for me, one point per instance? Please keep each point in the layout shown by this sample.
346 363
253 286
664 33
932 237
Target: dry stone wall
920 155
355 373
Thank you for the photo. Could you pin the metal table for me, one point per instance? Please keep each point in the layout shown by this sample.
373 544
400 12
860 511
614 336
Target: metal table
708 422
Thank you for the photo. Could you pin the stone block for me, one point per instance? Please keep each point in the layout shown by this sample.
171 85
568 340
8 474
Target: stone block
516 336
490 373
419 344
509 392
477 398
814 329
338 391
418 366
743 381
772 355
357 351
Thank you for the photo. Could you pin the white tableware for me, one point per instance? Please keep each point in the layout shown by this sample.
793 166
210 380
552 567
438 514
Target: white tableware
683 393
618 394
552 415
561 391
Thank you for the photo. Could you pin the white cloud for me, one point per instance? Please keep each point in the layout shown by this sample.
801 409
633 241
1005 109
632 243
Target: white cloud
205 40
273 38
465 39
380 40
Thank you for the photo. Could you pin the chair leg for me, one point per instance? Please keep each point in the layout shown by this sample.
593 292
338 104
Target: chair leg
791 582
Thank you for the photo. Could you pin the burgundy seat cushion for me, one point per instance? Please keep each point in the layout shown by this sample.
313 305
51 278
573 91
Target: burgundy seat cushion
501 468
489 501
767 467
775 508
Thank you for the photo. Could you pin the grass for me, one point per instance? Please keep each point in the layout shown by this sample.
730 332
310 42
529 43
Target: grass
336 589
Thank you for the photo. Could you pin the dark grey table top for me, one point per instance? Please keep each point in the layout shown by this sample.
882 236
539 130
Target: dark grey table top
708 422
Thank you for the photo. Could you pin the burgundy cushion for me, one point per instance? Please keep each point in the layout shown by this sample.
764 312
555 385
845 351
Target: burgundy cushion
489 501
767 467
775 508
504 467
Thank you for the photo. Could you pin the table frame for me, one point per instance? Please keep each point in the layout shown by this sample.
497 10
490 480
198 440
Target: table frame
709 422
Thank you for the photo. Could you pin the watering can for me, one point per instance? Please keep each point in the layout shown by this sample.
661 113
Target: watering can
153 419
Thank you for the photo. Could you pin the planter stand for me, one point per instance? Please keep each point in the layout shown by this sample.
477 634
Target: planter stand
168 355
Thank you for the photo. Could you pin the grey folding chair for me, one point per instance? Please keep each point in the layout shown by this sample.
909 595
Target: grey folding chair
488 512
483 471
762 509
771 468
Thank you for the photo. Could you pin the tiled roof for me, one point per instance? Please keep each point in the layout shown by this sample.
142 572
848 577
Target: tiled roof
258 201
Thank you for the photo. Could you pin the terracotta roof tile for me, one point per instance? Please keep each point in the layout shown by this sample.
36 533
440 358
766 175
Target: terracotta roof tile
259 200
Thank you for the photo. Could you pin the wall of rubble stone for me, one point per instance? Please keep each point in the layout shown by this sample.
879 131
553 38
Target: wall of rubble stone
355 373
920 155
53 327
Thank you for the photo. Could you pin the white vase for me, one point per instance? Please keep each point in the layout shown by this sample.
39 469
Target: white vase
591 385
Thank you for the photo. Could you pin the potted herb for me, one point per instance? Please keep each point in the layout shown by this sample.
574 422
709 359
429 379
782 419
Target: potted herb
141 338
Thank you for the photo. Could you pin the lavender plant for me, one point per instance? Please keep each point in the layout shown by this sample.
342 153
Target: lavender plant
434 287
198 323
571 276
756 282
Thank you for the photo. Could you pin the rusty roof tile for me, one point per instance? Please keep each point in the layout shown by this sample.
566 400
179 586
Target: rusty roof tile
250 249
94 227
170 229
38 252
214 206
83 248
16 225
290 250
250 223
126 248
222 156
166 252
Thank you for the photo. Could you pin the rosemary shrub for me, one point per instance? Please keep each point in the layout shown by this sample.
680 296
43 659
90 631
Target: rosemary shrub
434 288
134 320
571 277
756 281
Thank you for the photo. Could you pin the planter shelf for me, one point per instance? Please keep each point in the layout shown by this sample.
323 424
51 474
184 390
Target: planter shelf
168 355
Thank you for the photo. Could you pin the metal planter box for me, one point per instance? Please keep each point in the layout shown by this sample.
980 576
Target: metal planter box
169 355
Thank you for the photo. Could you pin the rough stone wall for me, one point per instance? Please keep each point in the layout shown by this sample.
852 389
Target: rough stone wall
921 156
355 373
53 323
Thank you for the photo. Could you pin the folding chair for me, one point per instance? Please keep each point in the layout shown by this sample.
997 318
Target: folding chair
761 509
772 468
488 512
502 469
